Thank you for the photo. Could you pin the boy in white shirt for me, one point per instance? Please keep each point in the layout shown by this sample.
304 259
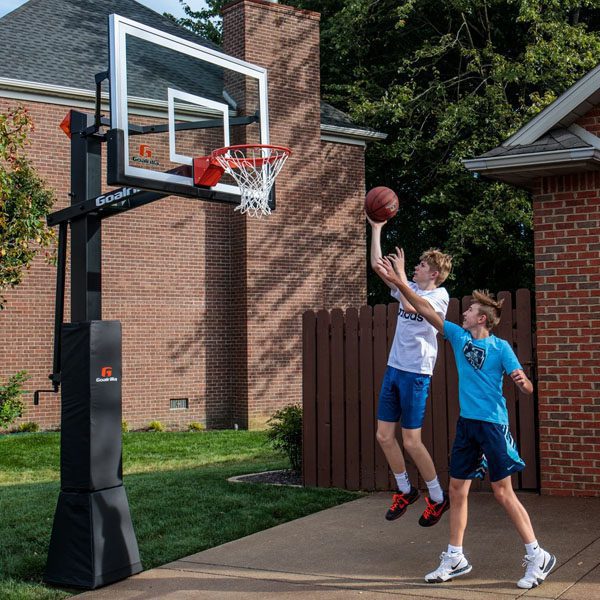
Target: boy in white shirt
407 378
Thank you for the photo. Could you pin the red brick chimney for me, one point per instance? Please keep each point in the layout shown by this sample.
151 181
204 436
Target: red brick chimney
276 272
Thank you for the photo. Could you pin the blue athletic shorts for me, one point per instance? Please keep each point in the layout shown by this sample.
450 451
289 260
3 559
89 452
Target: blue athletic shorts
481 446
402 398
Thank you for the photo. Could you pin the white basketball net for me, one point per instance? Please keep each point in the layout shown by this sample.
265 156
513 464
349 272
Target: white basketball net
254 169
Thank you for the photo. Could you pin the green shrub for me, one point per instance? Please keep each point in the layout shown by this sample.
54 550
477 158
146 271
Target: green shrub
284 433
155 426
30 427
124 426
11 405
195 426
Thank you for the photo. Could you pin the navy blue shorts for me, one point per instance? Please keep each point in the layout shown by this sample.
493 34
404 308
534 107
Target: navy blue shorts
403 397
481 446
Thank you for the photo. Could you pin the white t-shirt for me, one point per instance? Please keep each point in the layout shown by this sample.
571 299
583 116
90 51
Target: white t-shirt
415 342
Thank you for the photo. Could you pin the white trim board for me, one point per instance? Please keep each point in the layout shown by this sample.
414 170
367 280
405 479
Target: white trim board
566 104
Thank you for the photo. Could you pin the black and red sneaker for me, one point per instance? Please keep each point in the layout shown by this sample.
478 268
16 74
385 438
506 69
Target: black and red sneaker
400 503
434 511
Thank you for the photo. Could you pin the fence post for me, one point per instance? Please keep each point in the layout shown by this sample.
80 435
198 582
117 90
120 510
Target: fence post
379 364
367 429
309 398
527 438
323 400
338 421
352 401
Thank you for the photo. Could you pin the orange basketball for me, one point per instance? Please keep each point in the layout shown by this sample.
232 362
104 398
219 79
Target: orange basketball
381 204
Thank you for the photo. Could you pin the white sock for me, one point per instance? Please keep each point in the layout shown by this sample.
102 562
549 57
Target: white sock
455 549
533 548
435 490
402 482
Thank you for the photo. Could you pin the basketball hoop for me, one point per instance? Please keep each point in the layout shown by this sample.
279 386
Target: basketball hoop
254 168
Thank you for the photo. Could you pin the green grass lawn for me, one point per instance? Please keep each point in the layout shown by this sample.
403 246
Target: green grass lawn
179 498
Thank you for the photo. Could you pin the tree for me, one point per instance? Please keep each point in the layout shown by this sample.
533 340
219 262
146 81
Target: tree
24 202
448 80
205 22
11 404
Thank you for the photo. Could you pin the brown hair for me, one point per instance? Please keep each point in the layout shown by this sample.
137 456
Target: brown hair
488 306
438 261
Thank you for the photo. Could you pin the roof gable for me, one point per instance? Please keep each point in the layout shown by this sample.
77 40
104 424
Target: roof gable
573 104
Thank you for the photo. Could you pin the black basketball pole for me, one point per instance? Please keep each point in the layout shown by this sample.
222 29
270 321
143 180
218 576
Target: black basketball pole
86 182
93 542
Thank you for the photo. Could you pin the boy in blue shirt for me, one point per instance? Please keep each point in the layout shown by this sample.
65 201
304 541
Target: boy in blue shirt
483 441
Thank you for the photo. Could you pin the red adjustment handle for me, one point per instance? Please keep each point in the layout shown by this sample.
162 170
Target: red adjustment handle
207 172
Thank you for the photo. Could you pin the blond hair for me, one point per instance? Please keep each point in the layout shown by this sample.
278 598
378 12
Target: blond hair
438 261
488 306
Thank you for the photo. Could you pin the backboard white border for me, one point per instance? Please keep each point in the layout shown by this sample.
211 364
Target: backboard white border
118 28
199 101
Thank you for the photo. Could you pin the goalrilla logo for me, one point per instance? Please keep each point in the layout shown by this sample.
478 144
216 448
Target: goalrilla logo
107 375
145 156
122 194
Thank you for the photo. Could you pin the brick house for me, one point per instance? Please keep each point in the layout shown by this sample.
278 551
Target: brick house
210 302
557 156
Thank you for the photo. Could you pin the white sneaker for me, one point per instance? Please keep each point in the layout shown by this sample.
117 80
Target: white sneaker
451 565
537 568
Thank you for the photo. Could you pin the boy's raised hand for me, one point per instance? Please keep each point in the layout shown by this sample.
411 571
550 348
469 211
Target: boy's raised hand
385 268
397 260
374 224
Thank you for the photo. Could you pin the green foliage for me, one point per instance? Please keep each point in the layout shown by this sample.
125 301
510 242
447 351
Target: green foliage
155 426
285 434
195 426
24 202
11 405
448 80
205 22
124 426
28 427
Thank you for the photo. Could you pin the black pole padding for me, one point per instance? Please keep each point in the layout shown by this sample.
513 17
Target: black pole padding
90 443
93 542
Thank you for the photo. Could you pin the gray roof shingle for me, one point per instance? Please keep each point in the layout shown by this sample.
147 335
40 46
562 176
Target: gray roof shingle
557 139
65 43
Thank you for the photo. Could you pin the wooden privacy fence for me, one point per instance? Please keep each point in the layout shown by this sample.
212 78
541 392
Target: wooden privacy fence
344 360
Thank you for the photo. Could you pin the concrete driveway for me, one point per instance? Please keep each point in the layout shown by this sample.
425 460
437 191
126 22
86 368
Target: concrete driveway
350 551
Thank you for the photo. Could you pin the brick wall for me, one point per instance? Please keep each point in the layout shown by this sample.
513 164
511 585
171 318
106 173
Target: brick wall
567 258
154 276
311 252
210 301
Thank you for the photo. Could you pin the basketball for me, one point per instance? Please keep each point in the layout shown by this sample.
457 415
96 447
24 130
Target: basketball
381 204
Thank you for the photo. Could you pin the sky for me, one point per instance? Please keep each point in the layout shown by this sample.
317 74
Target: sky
160 6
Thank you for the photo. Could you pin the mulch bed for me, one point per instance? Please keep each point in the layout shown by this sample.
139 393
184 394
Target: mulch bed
283 477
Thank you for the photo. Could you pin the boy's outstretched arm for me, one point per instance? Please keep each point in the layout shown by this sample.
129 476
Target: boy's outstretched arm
522 381
385 269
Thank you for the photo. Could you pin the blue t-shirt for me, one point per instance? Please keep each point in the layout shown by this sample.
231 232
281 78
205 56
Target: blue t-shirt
481 365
